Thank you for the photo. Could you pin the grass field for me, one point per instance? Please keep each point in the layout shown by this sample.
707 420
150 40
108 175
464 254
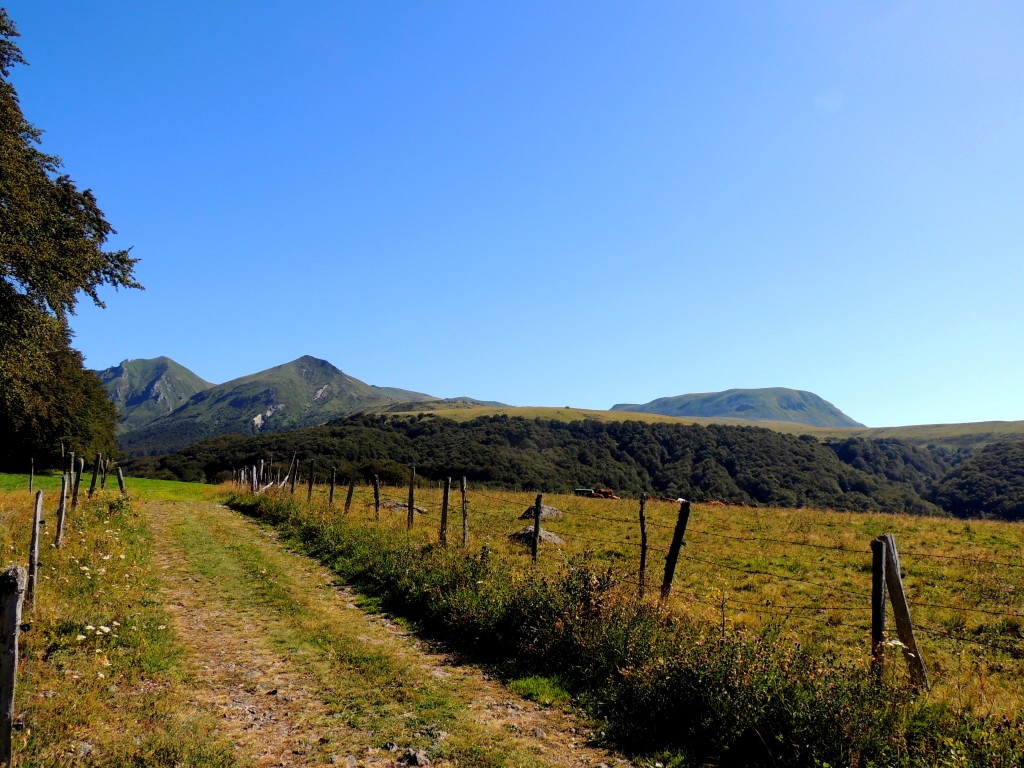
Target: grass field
98 666
799 577
806 573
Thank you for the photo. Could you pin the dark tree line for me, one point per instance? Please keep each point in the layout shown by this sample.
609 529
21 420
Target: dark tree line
748 465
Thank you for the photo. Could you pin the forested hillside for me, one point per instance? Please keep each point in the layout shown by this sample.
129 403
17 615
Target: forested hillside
748 465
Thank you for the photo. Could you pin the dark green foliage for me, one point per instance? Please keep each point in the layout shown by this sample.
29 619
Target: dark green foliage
51 248
665 685
748 465
988 484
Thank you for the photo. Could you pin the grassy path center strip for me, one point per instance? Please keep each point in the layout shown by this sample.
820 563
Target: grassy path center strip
298 675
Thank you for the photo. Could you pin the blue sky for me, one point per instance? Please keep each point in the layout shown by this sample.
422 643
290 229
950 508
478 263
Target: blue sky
570 203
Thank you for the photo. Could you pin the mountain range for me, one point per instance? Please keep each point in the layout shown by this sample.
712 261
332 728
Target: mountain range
164 406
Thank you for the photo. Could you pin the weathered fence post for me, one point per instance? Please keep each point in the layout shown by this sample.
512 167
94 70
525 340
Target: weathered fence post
12 597
334 479
643 544
901 612
673 551
443 535
536 525
412 495
103 474
376 498
465 514
61 511
78 482
351 490
878 607
95 475
309 492
33 556
71 468
120 481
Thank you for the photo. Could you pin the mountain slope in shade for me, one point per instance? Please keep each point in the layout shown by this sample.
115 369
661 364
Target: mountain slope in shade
768 404
303 393
145 390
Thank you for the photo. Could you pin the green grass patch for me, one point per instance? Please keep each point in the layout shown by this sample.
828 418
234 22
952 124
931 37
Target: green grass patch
101 679
544 690
666 683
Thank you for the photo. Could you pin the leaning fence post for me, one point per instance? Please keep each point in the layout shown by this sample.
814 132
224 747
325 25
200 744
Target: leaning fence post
673 551
103 475
536 524
901 612
351 490
61 511
95 474
376 498
33 557
643 544
78 482
412 495
120 481
878 607
465 514
443 535
12 596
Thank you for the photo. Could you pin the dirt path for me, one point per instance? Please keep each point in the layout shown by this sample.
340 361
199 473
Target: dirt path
295 674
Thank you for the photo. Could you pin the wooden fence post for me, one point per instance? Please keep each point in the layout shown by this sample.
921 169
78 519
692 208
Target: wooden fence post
71 469
78 482
33 556
643 544
878 607
103 474
901 612
673 551
95 475
120 481
536 525
12 597
412 495
376 498
61 510
309 492
443 535
351 490
465 514
334 479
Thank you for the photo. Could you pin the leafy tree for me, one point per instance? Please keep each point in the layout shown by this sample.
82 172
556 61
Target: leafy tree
51 249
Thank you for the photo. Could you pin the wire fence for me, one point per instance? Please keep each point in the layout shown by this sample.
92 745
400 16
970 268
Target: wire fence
736 570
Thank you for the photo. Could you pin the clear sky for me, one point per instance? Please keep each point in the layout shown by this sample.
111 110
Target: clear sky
557 203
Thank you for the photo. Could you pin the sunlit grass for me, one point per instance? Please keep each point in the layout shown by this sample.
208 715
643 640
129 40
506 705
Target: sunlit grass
100 676
806 573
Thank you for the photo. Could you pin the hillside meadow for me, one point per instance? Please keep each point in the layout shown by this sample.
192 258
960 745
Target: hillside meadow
804 573
760 656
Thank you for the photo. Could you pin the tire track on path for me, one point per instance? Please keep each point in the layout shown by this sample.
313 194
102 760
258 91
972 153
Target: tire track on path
295 674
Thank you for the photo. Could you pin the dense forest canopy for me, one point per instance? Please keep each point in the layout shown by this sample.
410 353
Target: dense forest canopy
51 249
747 465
